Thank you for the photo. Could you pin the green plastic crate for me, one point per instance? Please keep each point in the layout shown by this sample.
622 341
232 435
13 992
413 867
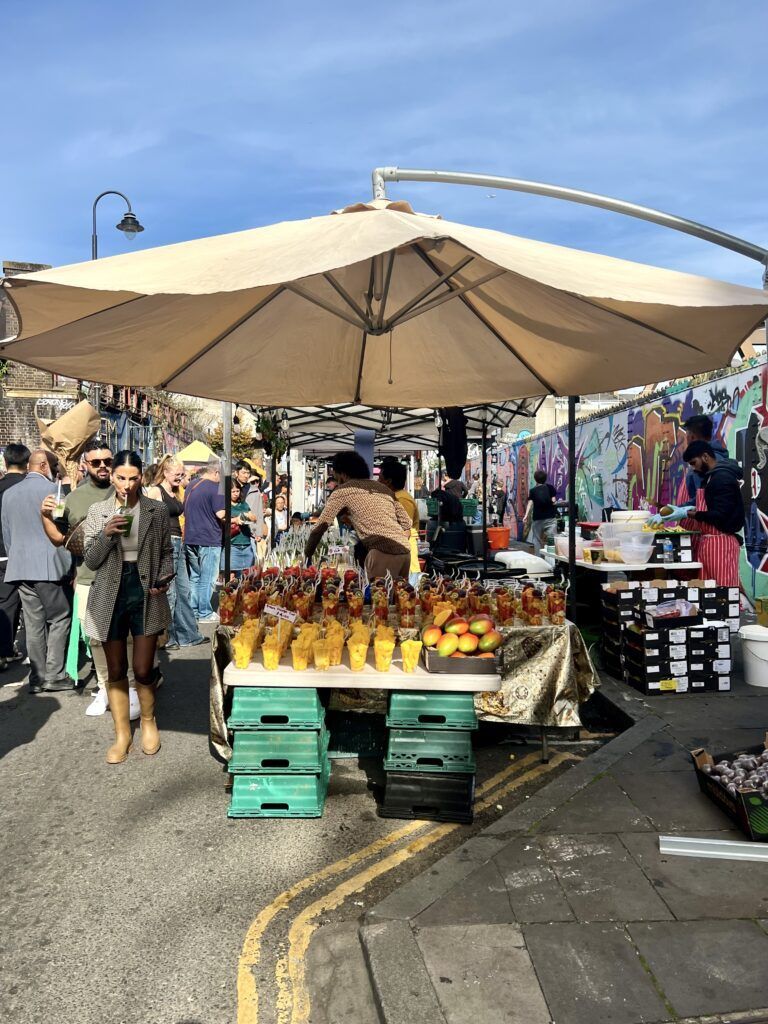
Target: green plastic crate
279 751
272 707
469 507
279 796
429 750
422 709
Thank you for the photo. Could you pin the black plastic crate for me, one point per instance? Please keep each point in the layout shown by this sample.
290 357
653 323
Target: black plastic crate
429 797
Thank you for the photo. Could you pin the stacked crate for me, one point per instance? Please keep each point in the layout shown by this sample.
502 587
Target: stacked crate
280 760
430 767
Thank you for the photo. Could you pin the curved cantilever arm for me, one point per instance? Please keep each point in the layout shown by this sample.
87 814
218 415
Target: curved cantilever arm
740 245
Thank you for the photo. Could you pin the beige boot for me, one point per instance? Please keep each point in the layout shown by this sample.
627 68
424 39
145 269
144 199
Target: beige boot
119 705
150 737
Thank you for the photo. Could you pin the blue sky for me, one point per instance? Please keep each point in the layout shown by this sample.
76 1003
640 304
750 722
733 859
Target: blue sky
217 117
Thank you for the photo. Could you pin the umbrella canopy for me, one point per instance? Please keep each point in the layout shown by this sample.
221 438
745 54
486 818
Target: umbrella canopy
378 306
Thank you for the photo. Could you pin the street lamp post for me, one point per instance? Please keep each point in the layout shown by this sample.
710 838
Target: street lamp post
129 225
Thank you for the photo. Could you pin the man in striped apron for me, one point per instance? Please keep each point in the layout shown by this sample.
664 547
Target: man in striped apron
718 516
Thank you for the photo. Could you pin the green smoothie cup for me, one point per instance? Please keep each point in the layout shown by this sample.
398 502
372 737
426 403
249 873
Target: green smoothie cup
127 514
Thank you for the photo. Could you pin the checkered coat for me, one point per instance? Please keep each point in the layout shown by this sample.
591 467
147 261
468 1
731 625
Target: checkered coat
104 554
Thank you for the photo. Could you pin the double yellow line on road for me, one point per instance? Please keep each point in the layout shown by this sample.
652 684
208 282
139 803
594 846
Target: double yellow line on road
292 1000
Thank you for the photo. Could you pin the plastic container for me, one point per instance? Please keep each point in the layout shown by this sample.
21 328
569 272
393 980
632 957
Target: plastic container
636 548
754 644
561 546
498 537
423 709
426 750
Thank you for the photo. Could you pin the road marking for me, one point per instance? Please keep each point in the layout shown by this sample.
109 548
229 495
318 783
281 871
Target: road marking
250 955
293 1002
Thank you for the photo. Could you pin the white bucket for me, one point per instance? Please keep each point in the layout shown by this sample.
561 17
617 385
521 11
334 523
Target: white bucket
754 644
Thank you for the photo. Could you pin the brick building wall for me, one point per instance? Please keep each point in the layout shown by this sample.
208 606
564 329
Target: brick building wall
24 391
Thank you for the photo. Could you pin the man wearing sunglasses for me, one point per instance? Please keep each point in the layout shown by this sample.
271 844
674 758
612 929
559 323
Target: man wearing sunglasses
97 486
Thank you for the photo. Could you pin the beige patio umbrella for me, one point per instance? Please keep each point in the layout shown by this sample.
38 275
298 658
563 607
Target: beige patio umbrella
375 305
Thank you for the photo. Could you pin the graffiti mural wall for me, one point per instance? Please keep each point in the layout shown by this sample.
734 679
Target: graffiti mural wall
632 458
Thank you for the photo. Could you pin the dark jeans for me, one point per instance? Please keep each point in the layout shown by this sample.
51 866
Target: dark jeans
10 610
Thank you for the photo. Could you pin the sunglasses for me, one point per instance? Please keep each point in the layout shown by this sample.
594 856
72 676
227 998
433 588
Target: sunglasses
99 462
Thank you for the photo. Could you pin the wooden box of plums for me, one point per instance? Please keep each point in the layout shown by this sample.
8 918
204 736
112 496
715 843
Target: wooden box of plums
738 783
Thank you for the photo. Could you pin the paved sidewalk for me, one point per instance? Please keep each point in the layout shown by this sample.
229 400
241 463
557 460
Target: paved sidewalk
563 910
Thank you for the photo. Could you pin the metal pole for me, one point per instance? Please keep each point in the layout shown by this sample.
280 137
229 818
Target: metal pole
288 484
572 506
690 227
483 485
226 421
273 474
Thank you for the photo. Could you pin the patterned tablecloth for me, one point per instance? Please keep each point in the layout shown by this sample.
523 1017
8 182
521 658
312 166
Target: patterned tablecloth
546 674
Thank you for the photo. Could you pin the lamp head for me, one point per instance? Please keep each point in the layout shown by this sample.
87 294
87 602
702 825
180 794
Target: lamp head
129 225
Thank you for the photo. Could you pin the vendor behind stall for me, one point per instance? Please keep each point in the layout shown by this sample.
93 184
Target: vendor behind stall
378 519
718 515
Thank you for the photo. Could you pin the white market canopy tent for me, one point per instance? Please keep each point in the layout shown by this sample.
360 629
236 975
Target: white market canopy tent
377 306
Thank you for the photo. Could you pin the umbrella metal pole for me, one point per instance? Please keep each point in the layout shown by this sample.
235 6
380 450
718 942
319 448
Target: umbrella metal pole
572 507
483 485
226 419
288 484
273 499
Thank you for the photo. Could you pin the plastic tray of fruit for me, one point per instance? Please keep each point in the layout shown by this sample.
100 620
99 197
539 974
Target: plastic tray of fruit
461 645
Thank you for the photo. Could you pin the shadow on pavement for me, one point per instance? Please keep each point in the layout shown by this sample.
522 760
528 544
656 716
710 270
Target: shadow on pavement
22 717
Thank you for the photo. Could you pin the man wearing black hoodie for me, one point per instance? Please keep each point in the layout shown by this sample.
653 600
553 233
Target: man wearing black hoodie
718 515
700 428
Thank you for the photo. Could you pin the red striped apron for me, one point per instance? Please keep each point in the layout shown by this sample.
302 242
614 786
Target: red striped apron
718 552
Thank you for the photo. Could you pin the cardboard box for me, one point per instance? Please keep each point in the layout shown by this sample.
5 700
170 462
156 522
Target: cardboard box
709 682
710 633
459 666
748 810
652 686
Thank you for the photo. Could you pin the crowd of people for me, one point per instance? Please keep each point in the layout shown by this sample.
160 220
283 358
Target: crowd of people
126 558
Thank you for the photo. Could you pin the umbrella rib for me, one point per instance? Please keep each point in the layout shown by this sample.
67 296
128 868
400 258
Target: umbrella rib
499 337
297 290
637 323
221 337
430 288
344 295
453 293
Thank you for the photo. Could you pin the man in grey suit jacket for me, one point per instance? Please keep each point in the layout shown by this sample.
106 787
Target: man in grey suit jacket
42 572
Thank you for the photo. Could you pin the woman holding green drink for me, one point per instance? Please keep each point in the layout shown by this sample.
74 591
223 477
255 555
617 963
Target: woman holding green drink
128 544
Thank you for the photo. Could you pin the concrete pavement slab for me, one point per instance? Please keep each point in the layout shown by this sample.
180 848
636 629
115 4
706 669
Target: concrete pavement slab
706 966
591 973
661 753
482 973
673 801
600 807
338 977
695 888
401 983
481 898
534 892
421 892
601 881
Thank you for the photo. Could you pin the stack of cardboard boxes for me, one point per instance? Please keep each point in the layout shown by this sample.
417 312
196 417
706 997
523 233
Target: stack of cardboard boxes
674 655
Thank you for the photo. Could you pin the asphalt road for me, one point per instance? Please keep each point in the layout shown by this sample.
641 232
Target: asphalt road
126 891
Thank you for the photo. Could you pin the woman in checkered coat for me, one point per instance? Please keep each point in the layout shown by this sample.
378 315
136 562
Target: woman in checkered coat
131 554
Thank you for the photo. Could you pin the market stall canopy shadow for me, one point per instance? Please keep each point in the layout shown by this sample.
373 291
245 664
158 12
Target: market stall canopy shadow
378 306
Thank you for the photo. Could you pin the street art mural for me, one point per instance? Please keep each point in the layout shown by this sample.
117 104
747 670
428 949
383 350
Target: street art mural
632 458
